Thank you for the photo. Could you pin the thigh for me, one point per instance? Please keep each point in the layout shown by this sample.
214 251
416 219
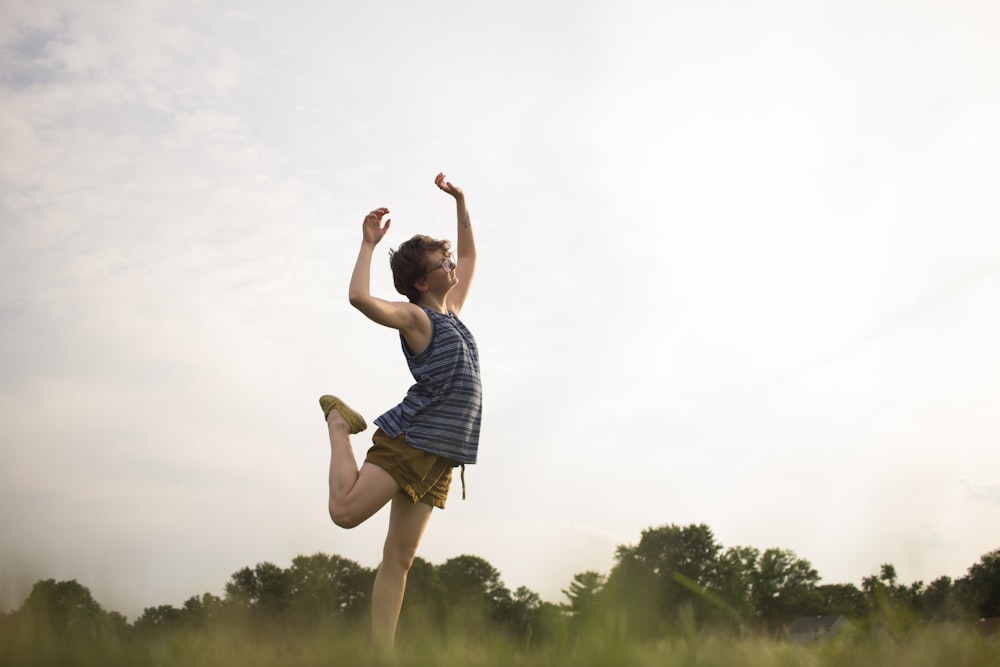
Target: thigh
407 521
374 488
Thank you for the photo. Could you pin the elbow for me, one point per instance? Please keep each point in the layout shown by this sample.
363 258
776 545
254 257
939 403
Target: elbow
356 300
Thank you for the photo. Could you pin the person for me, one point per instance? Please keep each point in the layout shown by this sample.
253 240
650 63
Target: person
436 426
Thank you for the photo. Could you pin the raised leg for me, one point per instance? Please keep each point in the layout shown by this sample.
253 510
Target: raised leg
407 521
355 494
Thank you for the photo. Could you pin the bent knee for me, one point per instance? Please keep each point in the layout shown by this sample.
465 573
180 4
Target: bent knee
344 518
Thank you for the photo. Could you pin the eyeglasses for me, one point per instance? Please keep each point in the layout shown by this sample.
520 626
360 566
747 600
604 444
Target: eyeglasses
448 265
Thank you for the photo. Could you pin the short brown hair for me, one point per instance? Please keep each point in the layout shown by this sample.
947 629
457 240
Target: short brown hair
409 263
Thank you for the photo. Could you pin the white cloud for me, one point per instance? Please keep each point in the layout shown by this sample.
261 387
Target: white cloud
986 492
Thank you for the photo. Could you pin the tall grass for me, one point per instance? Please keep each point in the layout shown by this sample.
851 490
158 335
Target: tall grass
241 646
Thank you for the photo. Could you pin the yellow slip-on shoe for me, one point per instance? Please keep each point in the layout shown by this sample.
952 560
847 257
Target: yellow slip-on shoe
353 419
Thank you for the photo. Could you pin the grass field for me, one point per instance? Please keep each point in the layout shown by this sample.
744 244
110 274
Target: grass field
221 648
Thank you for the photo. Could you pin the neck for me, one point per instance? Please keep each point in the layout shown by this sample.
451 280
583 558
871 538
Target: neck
435 302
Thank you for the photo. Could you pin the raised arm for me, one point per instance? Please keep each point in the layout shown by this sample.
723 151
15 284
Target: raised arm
405 316
466 242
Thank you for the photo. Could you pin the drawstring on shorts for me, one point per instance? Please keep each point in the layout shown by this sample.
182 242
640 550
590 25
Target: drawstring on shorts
463 481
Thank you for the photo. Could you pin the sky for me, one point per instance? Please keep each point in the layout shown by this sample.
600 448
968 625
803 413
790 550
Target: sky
739 264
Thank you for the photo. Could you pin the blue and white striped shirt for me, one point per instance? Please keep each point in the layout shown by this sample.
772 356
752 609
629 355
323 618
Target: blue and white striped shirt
442 412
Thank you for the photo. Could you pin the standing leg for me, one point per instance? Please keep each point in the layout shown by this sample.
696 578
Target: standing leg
355 494
407 521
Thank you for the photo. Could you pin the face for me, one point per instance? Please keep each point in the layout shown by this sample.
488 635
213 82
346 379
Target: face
441 269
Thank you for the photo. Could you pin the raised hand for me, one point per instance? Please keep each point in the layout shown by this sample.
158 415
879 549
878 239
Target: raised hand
448 186
372 228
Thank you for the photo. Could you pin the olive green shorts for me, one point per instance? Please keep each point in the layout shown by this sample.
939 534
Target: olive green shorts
422 476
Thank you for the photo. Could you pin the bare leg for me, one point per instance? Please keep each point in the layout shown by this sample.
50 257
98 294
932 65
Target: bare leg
407 521
355 494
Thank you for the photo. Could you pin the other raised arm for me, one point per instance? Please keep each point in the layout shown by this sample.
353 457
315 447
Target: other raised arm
404 316
466 242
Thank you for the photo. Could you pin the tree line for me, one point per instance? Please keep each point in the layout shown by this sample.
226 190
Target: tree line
674 578
677 576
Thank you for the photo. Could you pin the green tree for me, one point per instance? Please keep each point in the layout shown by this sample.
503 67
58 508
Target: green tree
159 619
201 611
893 606
472 581
265 590
634 596
734 582
584 593
323 586
887 575
59 623
981 586
522 614
198 613
474 593
846 599
884 589
668 570
241 589
936 601
64 607
782 586
63 611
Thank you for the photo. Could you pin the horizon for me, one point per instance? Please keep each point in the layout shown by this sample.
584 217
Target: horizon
511 586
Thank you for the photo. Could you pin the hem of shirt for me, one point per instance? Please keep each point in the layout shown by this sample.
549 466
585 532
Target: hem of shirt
467 461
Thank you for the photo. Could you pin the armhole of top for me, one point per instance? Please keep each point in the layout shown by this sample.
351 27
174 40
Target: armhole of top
430 343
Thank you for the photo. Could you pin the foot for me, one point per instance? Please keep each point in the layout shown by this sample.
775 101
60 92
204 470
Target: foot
355 421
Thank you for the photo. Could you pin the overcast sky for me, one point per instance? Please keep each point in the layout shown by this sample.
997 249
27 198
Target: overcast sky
739 264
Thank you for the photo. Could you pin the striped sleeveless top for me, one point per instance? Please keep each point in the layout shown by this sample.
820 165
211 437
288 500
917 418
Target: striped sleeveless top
441 413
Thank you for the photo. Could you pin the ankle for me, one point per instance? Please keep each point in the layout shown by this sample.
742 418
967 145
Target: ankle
337 424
